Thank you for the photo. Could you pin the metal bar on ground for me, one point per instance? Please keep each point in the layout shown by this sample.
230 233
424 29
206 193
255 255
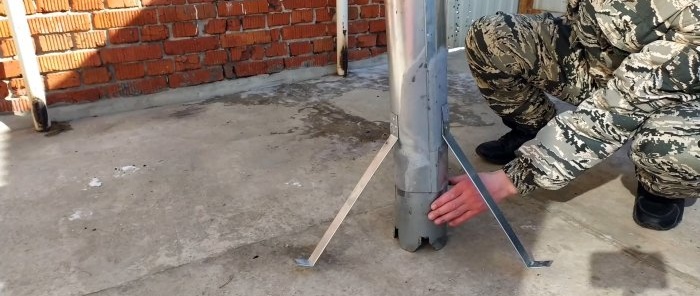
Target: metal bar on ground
491 204
345 209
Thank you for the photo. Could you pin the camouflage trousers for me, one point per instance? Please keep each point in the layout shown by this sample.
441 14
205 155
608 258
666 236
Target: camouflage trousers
516 59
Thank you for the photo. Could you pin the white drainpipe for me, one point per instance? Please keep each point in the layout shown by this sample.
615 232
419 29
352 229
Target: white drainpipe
341 13
26 54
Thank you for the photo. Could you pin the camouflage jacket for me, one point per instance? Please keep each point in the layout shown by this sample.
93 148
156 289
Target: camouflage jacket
645 55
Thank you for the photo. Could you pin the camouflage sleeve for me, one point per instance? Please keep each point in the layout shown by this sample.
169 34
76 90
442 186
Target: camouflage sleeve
631 25
662 74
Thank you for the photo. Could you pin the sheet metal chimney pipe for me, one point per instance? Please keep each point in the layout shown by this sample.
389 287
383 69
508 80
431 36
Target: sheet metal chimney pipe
416 32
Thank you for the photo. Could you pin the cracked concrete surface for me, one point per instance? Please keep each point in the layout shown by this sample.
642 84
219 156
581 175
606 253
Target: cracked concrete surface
218 197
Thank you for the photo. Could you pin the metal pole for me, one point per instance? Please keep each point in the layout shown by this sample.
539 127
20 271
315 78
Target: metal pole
341 14
29 64
418 78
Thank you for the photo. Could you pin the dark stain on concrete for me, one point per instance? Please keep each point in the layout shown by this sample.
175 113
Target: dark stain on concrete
188 111
289 131
58 127
324 119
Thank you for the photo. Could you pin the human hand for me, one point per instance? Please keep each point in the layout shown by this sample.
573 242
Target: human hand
462 202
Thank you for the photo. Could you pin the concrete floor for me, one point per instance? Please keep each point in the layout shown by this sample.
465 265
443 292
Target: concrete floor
217 198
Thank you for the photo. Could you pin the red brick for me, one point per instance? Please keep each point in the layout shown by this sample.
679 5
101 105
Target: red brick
131 54
377 50
160 67
353 13
239 53
7 48
54 42
381 39
143 86
124 18
300 48
112 90
129 71
60 23
9 69
178 47
234 24
246 38
178 13
294 4
323 15
229 8
185 29
187 62
359 54
92 39
277 49
74 96
254 22
60 80
358 2
358 27
382 11
278 19
304 31
274 5
96 75
256 6
310 61
324 45
123 35
87 5
51 5
215 57
216 26
18 105
246 69
4 93
369 11
352 41
377 26
5 29
275 34
367 40
68 61
162 2
201 1
154 33
302 16
257 52
196 77
122 3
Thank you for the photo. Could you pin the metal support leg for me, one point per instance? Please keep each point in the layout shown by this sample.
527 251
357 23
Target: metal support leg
354 195
493 207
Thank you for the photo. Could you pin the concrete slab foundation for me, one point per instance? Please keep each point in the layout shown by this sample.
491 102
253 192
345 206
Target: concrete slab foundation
218 197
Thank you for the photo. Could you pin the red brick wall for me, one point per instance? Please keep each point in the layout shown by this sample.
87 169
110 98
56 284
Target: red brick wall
94 49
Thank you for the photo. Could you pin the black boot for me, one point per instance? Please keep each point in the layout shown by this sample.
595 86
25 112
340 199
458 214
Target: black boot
657 212
502 151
